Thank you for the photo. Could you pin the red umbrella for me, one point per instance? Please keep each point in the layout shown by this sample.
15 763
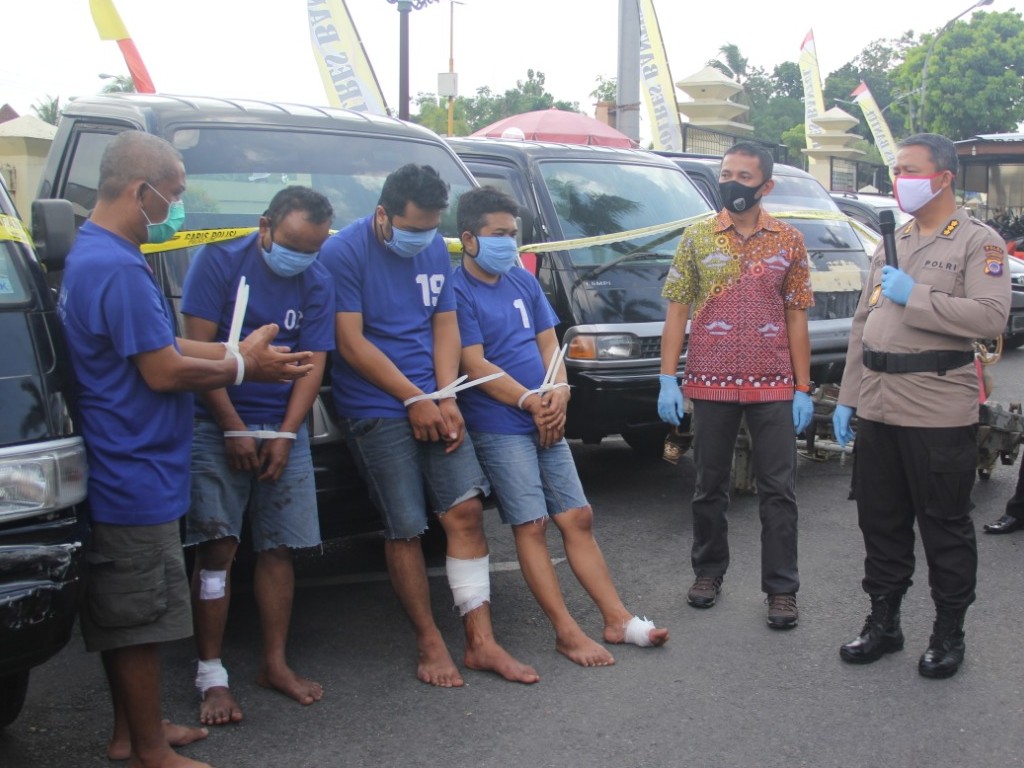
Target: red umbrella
557 125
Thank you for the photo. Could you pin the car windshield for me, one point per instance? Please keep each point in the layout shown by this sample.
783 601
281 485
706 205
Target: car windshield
839 258
798 193
233 172
12 287
599 198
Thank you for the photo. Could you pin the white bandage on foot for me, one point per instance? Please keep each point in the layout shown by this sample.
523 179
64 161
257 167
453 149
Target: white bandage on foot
210 674
212 584
470 582
638 632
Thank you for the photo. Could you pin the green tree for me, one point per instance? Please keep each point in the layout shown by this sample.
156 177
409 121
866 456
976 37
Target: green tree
731 63
48 109
486 107
119 84
433 114
974 82
607 89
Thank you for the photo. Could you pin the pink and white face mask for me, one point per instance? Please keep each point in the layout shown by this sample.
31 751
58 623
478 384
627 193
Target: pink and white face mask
915 192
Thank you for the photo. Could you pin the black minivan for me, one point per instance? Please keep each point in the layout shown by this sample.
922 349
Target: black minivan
43 470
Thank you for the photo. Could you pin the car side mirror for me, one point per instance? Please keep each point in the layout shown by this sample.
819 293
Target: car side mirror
53 231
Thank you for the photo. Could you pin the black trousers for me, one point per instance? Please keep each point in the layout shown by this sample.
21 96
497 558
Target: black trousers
1015 506
908 474
773 448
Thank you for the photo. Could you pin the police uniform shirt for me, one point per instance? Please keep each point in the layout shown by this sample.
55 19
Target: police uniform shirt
961 292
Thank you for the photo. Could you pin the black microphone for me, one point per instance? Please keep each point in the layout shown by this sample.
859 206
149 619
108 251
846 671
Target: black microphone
887 224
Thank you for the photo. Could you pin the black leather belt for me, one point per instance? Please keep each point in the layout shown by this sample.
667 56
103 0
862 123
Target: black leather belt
936 361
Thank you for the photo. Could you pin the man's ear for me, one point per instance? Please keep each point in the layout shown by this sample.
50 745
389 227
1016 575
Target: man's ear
768 186
468 238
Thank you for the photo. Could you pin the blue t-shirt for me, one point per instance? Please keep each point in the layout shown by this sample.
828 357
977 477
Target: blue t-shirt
397 298
302 306
505 317
138 441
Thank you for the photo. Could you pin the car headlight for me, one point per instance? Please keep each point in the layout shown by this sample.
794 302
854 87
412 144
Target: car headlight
604 346
42 479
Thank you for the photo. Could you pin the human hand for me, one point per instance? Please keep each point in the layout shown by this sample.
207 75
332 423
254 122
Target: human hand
264 362
274 453
896 285
670 400
455 426
241 453
841 423
803 411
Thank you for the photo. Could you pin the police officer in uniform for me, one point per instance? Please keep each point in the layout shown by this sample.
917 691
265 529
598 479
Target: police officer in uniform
911 382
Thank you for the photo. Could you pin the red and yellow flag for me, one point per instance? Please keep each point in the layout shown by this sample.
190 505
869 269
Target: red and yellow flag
108 23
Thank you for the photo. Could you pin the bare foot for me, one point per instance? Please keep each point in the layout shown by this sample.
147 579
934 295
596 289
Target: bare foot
285 680
176 735
219 707
170 759
581 649
488 656
436 666
617 634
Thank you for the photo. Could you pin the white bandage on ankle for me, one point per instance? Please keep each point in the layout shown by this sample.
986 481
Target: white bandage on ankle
638 632
470 582
210 674
212 584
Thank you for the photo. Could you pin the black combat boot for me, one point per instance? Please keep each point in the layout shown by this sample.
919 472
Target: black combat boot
881 633
945 651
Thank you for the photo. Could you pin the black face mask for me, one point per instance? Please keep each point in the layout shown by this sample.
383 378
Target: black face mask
738 197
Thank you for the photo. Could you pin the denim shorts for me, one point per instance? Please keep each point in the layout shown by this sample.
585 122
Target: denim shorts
401 472
281 513
529 482
136 589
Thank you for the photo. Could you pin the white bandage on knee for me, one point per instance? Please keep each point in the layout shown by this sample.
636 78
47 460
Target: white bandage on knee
212 584
470 582
210 674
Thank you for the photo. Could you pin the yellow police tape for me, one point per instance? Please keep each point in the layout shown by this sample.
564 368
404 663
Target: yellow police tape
11 228
197 237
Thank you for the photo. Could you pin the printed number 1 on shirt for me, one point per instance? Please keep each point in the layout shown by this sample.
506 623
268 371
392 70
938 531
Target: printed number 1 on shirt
430 286
518 304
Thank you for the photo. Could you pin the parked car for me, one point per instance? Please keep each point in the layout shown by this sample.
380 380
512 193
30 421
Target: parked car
43 471
866 208
839 249
607 295
238 154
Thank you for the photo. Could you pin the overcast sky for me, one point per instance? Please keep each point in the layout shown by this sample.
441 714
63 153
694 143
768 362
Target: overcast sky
261 49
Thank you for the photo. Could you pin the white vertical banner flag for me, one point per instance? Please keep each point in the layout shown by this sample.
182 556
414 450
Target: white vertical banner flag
348 78
876 122
814 99
659 90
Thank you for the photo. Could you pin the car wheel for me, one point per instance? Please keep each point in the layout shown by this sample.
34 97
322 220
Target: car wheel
12 696
648 442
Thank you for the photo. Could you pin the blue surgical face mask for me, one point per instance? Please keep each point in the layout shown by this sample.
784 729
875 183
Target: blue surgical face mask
407 244
497 254
163 231
286 262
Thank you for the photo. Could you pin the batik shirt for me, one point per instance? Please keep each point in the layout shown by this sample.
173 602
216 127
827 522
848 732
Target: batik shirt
738 291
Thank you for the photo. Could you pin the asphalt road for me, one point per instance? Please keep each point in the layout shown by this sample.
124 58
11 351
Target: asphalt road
726 691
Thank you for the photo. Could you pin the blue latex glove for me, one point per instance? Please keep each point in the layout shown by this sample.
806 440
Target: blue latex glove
896 285
670 400
841 423
803 411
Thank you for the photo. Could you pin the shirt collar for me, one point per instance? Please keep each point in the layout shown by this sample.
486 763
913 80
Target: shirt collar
766 221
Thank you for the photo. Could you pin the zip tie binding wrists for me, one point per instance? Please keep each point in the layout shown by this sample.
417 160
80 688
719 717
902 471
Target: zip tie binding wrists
449 392
261 434
231 350
549 382
542 390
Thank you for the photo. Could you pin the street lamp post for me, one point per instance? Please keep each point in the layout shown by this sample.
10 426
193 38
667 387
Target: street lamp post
931 49
404 7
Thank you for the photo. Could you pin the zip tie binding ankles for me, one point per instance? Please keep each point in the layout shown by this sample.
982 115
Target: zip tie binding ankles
549 382
456 386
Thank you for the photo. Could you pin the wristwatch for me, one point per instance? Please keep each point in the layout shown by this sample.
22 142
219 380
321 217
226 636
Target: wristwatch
805 388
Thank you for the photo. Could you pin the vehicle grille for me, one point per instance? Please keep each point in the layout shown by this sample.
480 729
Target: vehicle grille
650 346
